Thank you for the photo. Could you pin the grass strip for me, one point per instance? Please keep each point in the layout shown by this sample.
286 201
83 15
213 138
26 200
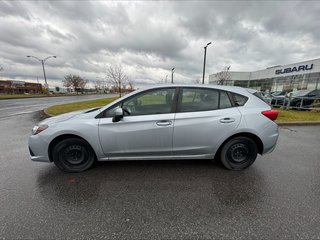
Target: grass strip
297 116
69 107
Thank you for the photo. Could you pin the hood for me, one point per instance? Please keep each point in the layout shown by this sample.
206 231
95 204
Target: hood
66 116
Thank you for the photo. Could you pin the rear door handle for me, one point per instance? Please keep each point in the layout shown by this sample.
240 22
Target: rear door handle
227 120
163 123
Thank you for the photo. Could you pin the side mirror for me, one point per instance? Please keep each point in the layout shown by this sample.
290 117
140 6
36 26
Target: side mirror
118 115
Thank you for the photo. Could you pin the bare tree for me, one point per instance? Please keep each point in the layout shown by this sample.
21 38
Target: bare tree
1 68
117 76
131 86
74 81
223 76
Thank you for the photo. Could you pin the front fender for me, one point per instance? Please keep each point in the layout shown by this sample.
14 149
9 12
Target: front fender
86 129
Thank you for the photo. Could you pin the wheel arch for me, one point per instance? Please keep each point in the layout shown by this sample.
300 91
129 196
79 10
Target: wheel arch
62 137
252 136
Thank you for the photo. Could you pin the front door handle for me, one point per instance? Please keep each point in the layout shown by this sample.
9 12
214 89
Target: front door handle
227 120
163 123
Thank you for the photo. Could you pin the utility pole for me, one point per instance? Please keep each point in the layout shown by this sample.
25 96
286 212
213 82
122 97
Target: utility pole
204 61
42 63
172 71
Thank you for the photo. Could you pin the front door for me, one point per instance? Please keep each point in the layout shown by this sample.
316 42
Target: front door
145 130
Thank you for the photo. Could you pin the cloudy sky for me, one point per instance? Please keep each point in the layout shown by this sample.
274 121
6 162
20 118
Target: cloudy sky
150 37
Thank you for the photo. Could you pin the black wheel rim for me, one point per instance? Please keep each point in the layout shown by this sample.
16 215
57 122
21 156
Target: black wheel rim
74 155
239 153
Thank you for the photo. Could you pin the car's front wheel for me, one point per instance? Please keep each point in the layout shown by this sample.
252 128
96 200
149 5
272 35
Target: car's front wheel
73 155
239 153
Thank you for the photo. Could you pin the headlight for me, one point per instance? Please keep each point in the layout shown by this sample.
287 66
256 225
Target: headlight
38 129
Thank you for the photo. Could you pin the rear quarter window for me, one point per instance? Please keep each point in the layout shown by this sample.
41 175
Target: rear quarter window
259 95
239 100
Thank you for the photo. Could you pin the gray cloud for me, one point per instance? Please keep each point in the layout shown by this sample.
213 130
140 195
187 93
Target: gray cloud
149 38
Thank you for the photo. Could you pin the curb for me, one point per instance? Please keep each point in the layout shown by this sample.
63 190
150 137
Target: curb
46 113
310 123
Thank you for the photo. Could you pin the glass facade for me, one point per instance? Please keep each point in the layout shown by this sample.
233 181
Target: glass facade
308 81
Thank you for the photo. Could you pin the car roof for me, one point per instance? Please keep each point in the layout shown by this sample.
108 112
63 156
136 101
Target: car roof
221 87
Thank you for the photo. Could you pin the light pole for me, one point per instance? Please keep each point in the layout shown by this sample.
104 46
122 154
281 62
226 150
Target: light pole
172 71
42 62
204 61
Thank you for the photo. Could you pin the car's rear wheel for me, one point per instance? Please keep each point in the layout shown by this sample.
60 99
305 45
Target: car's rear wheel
73 155
239 153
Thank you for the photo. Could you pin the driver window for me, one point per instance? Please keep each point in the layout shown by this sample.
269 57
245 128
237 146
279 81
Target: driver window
157 101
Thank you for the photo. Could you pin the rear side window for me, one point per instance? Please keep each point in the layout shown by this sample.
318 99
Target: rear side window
225 100
197 99
239 100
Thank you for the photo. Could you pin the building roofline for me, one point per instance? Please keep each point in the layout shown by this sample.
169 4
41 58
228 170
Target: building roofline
272 67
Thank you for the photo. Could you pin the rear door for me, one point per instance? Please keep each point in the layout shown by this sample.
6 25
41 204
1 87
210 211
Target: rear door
204 116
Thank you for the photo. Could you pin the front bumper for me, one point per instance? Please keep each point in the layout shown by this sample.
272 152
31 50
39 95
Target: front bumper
38 149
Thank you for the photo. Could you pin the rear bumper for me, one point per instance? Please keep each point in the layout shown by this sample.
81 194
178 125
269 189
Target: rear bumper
38 149
269 137
269 150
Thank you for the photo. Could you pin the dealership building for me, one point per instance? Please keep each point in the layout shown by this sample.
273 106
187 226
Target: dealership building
19 87
291 77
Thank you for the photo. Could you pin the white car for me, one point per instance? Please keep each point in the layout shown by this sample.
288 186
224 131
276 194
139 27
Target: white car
161 122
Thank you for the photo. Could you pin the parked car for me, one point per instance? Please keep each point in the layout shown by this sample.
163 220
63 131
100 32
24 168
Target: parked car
304 98
278 93
278 98
167 122
267 97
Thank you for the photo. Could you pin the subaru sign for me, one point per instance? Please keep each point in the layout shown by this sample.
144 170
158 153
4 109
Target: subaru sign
294 69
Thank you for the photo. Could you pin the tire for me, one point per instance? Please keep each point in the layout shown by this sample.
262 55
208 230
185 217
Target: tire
73 155
239 153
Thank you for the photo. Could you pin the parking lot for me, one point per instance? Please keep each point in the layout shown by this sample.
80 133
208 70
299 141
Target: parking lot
276 198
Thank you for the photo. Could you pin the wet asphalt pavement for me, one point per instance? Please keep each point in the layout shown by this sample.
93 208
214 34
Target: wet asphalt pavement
278 197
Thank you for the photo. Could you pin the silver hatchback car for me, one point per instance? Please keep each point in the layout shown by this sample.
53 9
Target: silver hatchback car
163 122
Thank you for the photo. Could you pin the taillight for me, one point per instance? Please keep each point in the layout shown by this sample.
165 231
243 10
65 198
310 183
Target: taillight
271 114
